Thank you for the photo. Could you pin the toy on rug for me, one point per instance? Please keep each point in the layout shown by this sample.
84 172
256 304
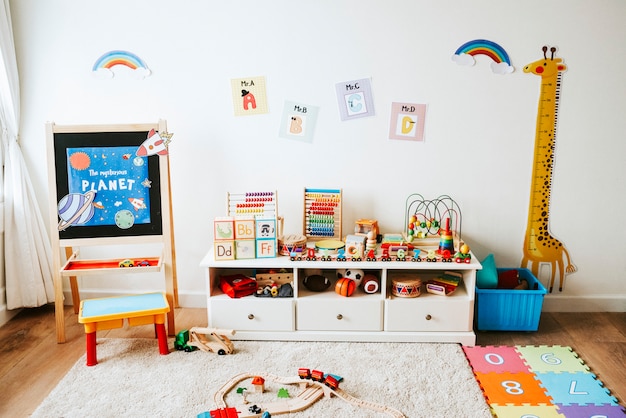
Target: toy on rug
206 339
314 384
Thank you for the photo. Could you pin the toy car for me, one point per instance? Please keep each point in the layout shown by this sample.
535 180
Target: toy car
143 263
127 263
206 339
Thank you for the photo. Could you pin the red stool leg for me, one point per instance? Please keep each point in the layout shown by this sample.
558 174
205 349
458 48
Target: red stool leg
92 358
162 337
159 327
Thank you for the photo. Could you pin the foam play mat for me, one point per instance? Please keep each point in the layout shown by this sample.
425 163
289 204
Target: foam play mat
540 381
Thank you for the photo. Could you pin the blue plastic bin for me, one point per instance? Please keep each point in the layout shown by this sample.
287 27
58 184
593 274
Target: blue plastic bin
510 310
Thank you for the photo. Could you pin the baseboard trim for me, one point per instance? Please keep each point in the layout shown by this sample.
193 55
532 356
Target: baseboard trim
185 299
6 315
596 303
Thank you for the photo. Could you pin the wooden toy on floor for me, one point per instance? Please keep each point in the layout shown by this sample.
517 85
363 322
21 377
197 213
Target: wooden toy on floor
212 340
314 384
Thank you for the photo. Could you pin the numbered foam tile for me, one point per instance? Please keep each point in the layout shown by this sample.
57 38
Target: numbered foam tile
579 388
490 359
512 389
520 411
224 228
245 249
244 228
555 359
586 411
224 250
265 248
265 228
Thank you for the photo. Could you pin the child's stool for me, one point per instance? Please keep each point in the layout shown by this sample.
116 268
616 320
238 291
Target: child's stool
109 313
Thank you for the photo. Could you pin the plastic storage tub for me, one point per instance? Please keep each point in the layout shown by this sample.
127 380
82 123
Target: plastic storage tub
510 310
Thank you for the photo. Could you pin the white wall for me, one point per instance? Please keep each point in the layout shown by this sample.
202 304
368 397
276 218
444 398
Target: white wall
480 126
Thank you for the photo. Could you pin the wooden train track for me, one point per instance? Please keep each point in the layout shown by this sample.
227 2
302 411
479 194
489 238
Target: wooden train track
311 392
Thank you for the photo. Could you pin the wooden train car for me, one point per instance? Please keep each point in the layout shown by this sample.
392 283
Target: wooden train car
331 381
317 375
304 373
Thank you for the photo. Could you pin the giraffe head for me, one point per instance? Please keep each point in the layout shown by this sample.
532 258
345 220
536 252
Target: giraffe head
546 67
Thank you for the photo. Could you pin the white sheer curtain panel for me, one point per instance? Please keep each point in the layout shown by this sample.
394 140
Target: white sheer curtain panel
27 251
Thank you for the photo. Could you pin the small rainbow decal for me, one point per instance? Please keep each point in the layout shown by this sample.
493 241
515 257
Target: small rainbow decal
123 58
464 55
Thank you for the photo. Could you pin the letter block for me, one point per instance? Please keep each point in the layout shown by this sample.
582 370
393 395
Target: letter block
224 250
266 228
224 228
244 228
244 249
265 248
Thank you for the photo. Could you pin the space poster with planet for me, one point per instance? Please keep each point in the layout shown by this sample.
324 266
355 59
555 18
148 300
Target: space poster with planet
107 186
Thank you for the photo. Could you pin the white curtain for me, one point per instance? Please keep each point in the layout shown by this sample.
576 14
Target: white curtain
27 251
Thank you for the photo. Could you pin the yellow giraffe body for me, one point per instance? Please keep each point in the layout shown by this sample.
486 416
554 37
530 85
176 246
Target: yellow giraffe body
539 244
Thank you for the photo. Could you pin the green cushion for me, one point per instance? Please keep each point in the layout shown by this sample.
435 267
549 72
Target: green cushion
487 278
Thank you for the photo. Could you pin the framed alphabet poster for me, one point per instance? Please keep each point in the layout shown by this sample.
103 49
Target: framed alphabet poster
407 121
298 121
355 99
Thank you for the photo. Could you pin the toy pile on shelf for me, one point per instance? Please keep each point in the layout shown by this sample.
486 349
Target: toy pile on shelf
252 229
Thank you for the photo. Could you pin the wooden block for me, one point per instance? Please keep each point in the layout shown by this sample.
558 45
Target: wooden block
265 248
224 228
244 228
224 250
245 249
266 228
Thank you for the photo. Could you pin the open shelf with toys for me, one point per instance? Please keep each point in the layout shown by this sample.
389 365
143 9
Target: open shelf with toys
327 316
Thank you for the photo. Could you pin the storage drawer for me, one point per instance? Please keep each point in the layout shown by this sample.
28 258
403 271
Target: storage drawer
252 314
317 314
428 313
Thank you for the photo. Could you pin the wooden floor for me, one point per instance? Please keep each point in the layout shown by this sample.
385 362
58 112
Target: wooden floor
31 362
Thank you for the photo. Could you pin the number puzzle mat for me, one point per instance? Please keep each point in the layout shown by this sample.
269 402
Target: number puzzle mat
540 382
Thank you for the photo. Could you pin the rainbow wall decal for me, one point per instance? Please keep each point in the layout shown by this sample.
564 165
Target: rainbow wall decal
106 62
501 64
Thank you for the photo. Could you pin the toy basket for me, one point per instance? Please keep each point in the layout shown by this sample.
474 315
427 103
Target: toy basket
510 310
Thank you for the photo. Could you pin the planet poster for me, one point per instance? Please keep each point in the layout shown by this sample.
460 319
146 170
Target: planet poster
112 184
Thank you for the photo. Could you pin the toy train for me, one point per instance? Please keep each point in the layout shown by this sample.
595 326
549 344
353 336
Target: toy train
328 379
401 254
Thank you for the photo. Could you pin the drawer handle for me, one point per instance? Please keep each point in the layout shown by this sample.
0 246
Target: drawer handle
339 317
429 317
250 316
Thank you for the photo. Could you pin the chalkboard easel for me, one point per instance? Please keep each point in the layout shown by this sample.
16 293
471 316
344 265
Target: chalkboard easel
109 185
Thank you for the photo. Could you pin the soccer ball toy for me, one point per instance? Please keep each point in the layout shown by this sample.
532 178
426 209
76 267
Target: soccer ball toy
354 274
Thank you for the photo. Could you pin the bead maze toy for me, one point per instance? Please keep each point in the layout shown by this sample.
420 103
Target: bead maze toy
539 381
313 384
430 223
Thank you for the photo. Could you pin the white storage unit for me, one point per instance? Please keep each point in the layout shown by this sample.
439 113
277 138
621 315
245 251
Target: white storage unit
327 316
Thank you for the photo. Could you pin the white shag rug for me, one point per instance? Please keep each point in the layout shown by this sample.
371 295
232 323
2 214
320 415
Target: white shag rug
132 379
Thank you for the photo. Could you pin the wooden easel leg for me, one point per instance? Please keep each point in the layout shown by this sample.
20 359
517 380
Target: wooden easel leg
59 312
73 284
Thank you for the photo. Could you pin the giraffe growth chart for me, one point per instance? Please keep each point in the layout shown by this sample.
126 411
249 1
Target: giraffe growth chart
540 246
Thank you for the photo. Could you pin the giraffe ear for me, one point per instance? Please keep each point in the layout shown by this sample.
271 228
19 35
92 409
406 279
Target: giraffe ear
561 67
